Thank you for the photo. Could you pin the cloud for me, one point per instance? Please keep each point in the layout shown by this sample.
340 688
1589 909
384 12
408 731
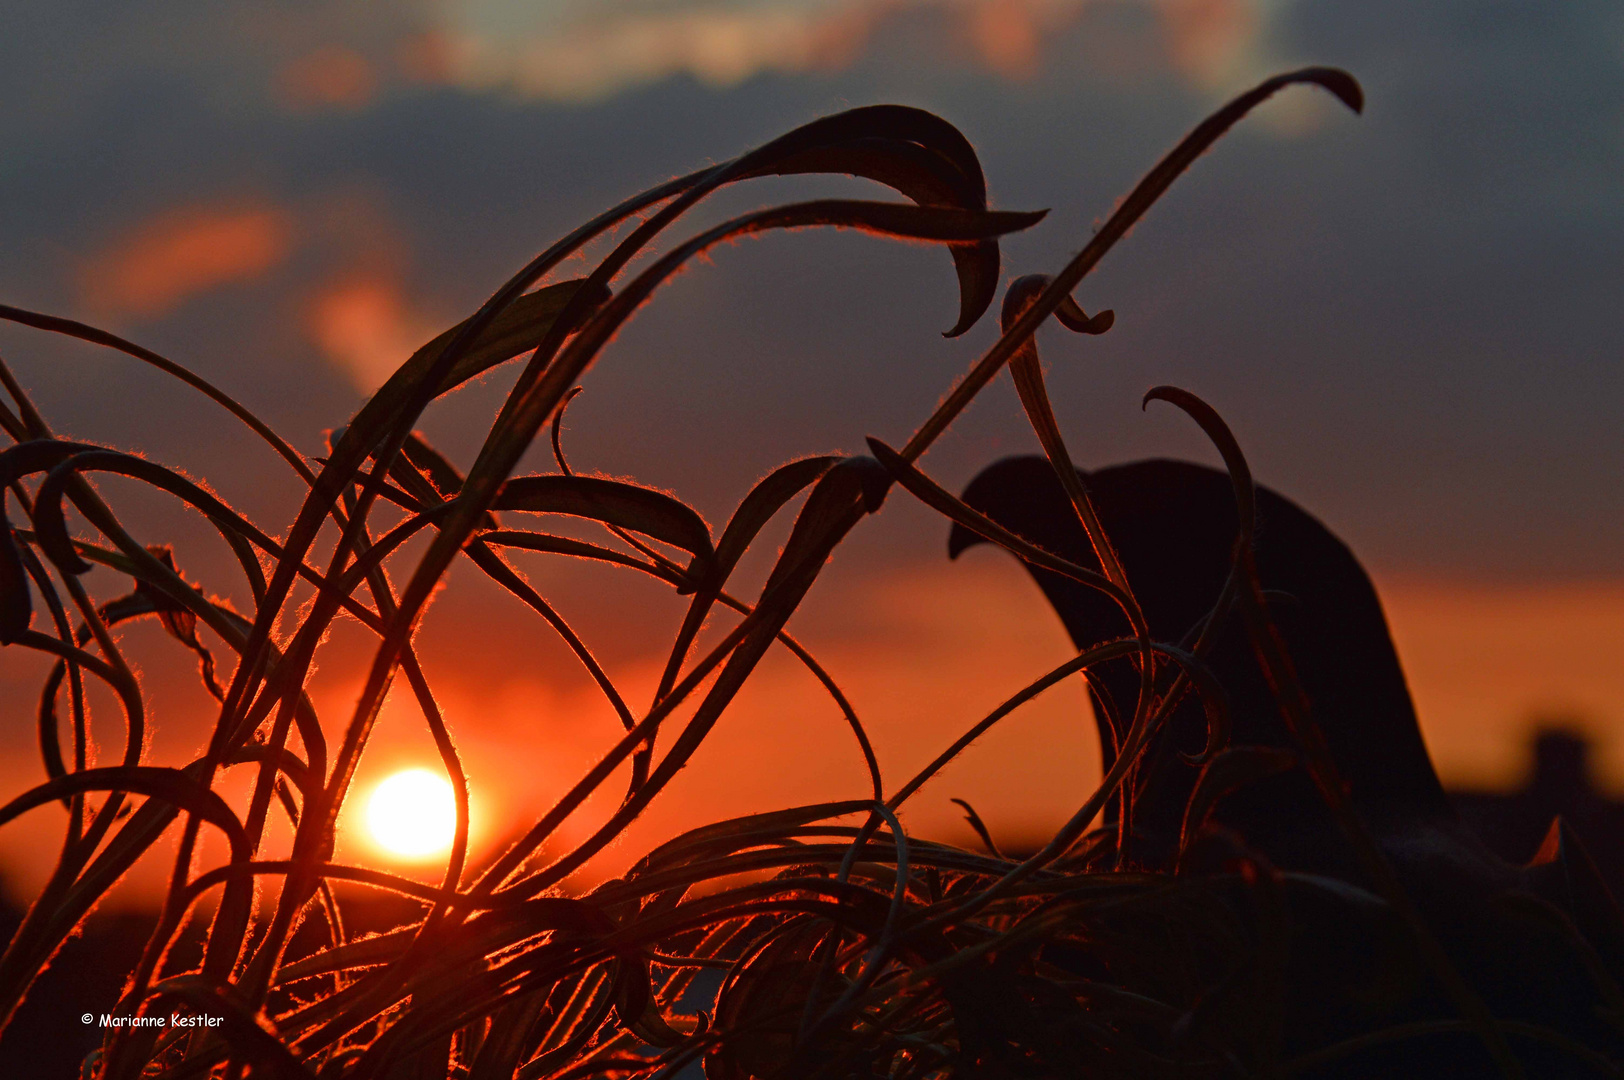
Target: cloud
584 53
169 258
596 56
1206 38
331 76
363 324
1008 35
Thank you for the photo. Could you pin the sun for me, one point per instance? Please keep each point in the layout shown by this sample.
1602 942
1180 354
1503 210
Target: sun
413 814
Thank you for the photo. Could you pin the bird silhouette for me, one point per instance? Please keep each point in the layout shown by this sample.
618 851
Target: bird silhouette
1173 525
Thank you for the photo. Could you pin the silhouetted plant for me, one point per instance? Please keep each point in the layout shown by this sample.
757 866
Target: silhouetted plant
849 948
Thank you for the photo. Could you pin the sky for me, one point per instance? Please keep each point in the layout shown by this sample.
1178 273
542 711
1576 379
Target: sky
1409 319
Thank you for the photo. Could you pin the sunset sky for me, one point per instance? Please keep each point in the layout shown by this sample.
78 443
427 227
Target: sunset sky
1410 319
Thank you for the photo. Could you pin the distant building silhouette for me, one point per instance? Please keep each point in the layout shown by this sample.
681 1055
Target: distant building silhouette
1513 824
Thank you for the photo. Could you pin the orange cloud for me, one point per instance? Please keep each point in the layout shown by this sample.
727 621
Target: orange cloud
363 325
333 76
1205 38
429 57
1008 36
181 253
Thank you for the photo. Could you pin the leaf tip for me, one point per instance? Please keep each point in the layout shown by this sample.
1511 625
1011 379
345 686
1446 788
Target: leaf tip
1343 85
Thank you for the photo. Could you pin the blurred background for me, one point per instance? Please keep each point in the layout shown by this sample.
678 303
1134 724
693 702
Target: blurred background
1408 318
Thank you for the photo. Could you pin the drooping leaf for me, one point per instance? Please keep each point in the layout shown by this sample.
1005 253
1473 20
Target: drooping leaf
930 177
973 819
630 506
446 477
1213 426
1027 374
97 336
180 622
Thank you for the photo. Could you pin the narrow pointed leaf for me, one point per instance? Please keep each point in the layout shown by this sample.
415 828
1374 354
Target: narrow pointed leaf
517 328
630 506
516 331
764 500
446 477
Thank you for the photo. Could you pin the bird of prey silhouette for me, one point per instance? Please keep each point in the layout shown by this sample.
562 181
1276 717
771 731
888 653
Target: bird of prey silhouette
1173 526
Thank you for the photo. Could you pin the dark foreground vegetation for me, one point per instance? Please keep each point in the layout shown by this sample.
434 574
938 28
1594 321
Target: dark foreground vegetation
1267 882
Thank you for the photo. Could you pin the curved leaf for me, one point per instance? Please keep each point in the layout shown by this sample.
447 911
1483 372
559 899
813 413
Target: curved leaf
764 500
95 336
914 152
52 527
171 786
518 329
243 1030
446 477
1213 426
720 835
929 177
630 506
38 455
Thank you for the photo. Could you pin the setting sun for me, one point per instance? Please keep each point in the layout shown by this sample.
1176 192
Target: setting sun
413 814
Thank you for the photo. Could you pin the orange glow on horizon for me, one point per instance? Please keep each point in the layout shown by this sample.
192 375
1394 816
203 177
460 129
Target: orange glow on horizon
923 653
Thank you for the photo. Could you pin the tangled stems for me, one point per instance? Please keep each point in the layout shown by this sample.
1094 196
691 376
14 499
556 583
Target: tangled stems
848 945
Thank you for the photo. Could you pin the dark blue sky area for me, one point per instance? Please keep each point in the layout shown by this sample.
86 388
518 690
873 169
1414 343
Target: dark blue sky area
1410 318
